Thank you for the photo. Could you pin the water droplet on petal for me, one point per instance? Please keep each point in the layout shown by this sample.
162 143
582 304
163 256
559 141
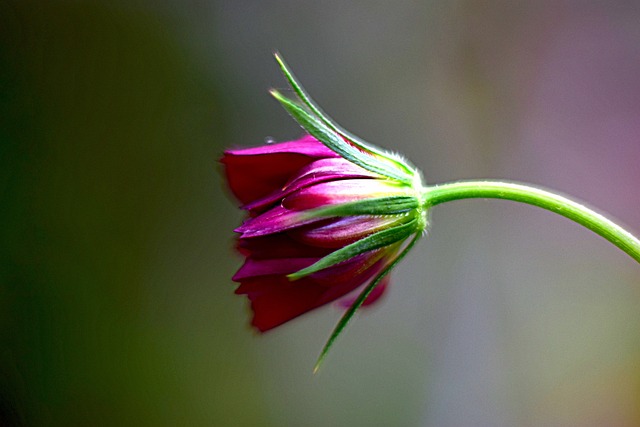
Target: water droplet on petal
269 140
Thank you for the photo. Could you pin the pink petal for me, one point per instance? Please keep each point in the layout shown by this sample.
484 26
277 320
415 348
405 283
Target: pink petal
335 168
273 221
344 191
322 170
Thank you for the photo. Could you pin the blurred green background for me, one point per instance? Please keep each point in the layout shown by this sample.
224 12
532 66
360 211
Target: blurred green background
116 304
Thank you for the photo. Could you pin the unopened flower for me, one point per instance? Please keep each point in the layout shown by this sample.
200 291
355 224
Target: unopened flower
318 227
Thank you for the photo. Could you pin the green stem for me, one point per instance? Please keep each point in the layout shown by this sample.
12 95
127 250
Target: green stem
577 212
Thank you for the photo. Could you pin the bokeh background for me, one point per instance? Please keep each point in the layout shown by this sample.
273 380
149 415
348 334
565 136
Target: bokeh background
116 305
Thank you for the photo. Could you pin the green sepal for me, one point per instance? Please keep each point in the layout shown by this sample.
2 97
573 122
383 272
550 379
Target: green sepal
348 315
391 205
335 143
374 241
316 110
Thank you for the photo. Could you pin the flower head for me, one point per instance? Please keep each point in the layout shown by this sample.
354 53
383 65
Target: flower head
318 226
327 214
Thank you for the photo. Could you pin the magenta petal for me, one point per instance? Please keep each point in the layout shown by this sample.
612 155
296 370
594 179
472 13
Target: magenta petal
319 170
307 145
259 205
322 170
344 191
273 221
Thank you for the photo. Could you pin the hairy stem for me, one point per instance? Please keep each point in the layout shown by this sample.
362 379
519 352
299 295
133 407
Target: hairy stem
438 194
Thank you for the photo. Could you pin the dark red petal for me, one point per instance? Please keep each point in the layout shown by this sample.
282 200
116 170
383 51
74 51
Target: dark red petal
269 267
276 300
338 291
372 298
254 173
278 245
253 177
340 232
350 268
253 267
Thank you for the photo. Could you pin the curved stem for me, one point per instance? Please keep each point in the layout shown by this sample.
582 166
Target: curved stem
437 194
